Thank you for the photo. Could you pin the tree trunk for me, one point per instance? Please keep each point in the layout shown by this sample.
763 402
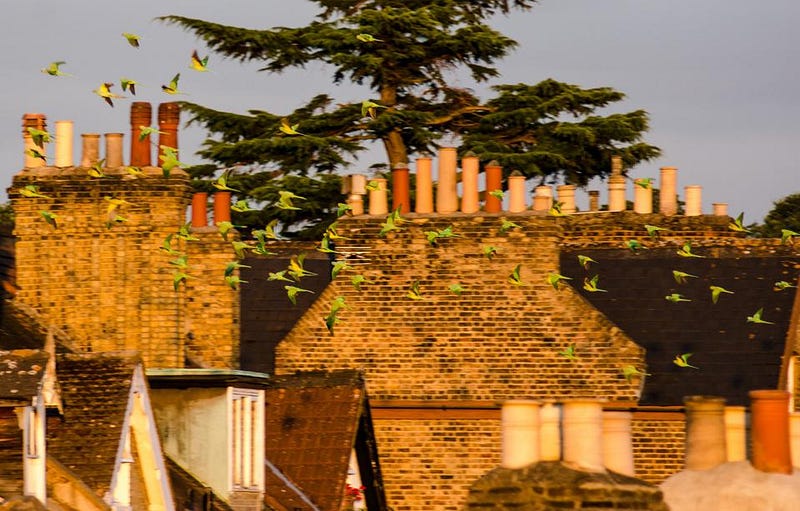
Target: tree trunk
396 151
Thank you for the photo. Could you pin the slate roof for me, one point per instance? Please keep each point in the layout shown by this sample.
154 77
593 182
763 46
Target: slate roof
21 328
733 356
21 373
94 389
312 422
266 314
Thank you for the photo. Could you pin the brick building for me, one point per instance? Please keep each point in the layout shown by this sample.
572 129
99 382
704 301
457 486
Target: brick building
437 366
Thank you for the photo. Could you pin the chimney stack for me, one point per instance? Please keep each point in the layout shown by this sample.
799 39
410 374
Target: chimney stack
446 192
667 194
401 196
770 431
64 141
141 115
424 202
520 426
470 165
705 432
494 181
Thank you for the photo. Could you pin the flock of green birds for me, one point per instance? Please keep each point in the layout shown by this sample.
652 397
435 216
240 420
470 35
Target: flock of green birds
295 271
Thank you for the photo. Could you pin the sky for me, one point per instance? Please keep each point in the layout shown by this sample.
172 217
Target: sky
717 77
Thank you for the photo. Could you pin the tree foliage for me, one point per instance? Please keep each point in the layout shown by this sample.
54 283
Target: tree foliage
405 52
785 214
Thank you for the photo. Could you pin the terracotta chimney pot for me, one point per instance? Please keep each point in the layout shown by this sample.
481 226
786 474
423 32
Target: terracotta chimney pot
520 426
770 431
446 191
378 204
424 202
642 196
667 194
720 208
200 209
222 207
401 196
39 122
169 115
543 198
141 150
470 165
566 196
582 423
617 442
64 142
694 200
616 193
705 432
550 432
794 435
494 181
113 150
90 143
616 166
516 193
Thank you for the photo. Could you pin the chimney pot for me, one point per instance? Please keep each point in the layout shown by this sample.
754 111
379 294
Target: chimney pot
222 207
583 434
542 198
770 431
401 196
616 193
594 200
90 143
735 433
494 181
617 442
470 165
642 196
566 196
168 121
516 192
705 432
720 208
520 425
694 200
667 194
446 191
424 202
64 142
377 198
141 151
550 432
113 150
36 121
200 209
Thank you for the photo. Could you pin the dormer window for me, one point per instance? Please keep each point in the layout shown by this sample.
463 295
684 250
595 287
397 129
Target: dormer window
247 439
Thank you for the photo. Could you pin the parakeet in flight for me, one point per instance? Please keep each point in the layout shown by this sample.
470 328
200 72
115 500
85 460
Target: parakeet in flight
681 276
514 277
289 129
716 291
53 69
756 318
413 292
738 224
199 64
591 285
585 261
554 279
676 297
172 88
683 361
367 38
686 251
127 83
104 91
132 39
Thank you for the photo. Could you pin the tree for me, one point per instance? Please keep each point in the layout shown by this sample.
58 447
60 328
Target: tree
405 51
785 214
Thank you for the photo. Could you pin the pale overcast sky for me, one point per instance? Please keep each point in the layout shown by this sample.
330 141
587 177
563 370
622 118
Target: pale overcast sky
718 77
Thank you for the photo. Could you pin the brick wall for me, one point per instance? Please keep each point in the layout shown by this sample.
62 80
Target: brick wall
430 464
658 445
111 288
